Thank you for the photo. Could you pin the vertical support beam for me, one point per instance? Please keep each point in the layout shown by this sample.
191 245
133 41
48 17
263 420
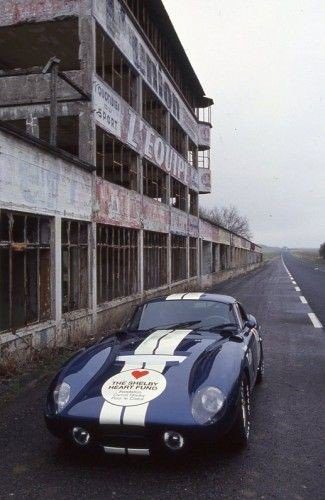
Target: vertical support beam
169 260
187 258
57 278
54 103
140 260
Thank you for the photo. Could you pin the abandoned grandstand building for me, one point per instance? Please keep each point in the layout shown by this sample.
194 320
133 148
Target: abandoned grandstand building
104 151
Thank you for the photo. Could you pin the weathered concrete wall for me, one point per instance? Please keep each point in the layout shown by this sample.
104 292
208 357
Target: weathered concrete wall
34 181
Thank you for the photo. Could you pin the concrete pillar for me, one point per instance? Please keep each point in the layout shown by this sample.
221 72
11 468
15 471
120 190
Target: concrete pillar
140 261
57 275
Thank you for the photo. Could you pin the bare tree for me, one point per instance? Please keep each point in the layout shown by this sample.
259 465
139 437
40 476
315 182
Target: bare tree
229 218
322 251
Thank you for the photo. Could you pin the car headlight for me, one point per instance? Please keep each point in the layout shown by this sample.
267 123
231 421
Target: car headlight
207 405
61 396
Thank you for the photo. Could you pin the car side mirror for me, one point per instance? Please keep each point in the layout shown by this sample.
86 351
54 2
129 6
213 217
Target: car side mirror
251 321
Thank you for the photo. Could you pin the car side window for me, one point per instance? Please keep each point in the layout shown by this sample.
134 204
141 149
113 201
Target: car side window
242 313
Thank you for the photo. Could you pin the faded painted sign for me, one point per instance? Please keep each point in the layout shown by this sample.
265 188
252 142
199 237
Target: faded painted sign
113 18
178 222
107 108
204 180
117 206
155 216
120 119
39 182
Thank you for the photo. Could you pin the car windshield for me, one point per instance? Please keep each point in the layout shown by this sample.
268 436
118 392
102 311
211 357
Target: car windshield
204 313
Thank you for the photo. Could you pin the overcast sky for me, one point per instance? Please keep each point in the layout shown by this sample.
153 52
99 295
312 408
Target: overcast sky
263 63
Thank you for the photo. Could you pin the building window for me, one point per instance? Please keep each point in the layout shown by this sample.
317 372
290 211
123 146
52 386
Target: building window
177 194
192 154
178 257
204 158
193 202
117 262
193 256
178 138
116 162
25 269
114 69
67 132
154 182
153 111
74 265
154 259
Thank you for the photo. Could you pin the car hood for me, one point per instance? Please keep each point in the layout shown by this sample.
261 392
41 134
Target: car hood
160 371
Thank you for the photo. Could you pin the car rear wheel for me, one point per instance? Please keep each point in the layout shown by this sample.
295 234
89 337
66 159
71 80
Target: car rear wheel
241 429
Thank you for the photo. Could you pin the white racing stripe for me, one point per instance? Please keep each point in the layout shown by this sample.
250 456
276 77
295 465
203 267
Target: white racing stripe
152 354
315 321
192 296
167 345
175 296
150 343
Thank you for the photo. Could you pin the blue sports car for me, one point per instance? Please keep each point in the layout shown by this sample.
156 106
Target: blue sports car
180 373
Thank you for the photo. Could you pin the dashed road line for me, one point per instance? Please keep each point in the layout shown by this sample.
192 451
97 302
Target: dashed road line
312 316
315 321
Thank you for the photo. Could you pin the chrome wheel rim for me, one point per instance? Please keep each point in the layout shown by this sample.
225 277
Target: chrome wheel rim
245 406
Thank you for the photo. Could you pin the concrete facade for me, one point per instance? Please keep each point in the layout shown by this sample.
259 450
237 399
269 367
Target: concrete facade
118 193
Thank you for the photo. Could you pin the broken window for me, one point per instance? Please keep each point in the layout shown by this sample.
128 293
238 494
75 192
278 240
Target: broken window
67 132
206 257
215 257
178 137
192 154
153 111
177 194
178 257
25 269
117 262
154 181
18 124
223 257
154 259
114 69
193 256
116 162
74 240
193 201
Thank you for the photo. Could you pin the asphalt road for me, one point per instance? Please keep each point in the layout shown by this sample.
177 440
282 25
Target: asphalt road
310 278
286 455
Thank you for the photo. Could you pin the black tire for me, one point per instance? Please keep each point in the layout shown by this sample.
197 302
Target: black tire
261 369
240 432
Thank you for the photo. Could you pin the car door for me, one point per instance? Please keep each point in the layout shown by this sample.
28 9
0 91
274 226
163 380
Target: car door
253 348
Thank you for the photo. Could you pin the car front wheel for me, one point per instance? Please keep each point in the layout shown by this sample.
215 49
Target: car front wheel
240 432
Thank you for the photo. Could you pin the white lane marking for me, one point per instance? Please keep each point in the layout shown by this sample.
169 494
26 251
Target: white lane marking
114 450
294 282
192 296
315 321
297 289
168 344
303 300
150 343
175 296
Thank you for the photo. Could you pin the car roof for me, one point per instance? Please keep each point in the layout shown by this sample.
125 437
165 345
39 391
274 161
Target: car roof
226 299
